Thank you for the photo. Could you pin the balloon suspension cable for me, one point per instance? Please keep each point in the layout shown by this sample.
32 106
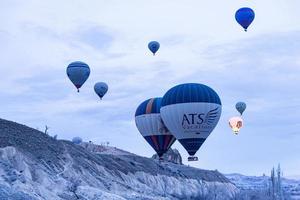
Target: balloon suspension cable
100 98
153 54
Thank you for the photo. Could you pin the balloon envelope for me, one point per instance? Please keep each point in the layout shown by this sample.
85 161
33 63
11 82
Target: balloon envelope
236 123
153 46
76 140
241 107
78 72
245 16
150 125
101 88
191 111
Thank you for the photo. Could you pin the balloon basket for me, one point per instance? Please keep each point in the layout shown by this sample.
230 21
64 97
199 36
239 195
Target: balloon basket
192 158
160 160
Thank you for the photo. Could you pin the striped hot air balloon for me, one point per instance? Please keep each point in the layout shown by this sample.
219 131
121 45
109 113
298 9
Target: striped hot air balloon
150 125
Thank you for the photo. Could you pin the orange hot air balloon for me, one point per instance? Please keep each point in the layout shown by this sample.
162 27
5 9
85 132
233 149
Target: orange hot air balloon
236 123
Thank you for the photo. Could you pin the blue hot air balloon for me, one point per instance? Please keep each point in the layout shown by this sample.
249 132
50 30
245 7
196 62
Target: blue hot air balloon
77 140
153 46
150 125
241 107
78 72
245 16
101 89
191 111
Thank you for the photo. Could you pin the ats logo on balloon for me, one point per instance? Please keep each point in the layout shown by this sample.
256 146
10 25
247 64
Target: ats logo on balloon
199 120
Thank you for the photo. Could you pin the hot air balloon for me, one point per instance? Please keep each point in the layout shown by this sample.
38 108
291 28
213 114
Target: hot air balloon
153 46
191 111
235 124
241 107
101 89
245 16
151 126
78 72
76 140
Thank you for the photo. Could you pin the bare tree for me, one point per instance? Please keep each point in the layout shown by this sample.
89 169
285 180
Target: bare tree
279 189
46 129
273 183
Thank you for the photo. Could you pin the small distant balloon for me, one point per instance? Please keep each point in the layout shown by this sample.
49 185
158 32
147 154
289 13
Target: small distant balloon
78 72
153 46
241 107
236 123
245 16
77 140
101 88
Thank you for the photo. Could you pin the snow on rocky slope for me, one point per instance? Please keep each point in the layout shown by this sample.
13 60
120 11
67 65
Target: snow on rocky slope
103 149
35 166
291 187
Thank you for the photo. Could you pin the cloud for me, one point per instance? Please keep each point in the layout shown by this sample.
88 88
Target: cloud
96 36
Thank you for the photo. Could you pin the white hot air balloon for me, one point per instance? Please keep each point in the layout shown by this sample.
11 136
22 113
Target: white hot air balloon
150 125
191 111
236 123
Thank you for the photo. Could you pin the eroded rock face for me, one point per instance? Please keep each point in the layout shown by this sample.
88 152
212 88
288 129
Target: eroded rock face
33 165
172 156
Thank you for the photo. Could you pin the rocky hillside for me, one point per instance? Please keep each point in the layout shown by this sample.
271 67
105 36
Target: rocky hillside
260 185
172 155
36 166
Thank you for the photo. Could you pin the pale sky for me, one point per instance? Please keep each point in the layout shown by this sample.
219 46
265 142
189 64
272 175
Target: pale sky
200 42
